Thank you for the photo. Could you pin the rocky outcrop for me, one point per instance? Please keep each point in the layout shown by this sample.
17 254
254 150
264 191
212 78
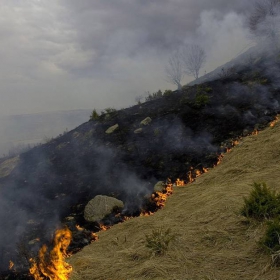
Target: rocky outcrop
101 206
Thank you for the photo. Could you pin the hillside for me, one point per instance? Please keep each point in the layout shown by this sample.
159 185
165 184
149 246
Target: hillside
214 242
123 153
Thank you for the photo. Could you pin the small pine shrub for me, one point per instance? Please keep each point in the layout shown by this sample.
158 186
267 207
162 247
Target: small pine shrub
94 115
201 100
271 239
167 92
158 241
262 203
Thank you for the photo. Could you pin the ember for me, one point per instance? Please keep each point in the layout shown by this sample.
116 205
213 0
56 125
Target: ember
51 263
11 265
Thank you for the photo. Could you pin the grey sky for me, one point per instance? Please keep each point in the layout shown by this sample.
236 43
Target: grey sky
75 54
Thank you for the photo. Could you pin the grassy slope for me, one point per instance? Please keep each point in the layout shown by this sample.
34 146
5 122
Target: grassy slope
214 242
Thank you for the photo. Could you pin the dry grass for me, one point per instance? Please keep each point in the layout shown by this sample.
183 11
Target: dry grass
214 242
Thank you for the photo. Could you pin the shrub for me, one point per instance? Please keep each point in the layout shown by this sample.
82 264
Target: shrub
262 203
158 241
94 115
167 92
272 236
201 100
154 95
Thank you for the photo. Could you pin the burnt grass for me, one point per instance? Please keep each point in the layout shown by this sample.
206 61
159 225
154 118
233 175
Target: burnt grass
188 131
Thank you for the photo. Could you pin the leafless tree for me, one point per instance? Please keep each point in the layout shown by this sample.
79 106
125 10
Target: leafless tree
174 70
194 58
264 21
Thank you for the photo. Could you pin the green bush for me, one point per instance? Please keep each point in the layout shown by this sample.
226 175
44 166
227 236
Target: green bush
262 203
153 96
158 241
167 92
201 100
94 115
272 236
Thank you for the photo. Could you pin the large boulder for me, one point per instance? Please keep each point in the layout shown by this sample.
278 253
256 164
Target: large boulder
101 206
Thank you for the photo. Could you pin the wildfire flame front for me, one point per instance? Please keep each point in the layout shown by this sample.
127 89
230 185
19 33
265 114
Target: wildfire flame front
50 263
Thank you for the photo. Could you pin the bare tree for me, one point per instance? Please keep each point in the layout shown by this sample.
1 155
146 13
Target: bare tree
174 70
194 58
264 22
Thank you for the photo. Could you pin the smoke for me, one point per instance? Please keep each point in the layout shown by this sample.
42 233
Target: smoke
223 36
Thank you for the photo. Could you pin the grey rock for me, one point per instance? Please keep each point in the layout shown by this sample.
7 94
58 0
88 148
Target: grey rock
138 130
101 206
146 121
7 166
112 129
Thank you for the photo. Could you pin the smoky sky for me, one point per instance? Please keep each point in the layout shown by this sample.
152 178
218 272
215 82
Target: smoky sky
68 54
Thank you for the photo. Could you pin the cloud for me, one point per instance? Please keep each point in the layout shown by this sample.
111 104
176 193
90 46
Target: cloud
92 53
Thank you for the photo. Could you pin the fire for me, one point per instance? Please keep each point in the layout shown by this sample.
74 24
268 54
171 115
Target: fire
273 123
146 214
103 227
50 263
11 265
179 183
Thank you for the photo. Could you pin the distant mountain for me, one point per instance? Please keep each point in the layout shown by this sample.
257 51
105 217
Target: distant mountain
19 131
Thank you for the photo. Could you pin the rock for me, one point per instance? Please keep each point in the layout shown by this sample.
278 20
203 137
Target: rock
7 166
139 130
146 121
101 206
112 129
159 186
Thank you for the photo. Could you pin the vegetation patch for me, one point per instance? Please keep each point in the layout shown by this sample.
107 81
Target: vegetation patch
159 240
262 203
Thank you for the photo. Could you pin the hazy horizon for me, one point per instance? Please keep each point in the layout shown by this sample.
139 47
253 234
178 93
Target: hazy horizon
67 55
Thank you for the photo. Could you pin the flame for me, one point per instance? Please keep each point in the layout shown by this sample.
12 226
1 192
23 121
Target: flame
51 263
11 265
255 132
79 228
103 227
179 183
273 123
146 214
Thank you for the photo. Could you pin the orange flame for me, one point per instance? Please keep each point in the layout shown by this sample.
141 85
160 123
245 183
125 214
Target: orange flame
51 263
179 183
273 123
103 227
11 265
